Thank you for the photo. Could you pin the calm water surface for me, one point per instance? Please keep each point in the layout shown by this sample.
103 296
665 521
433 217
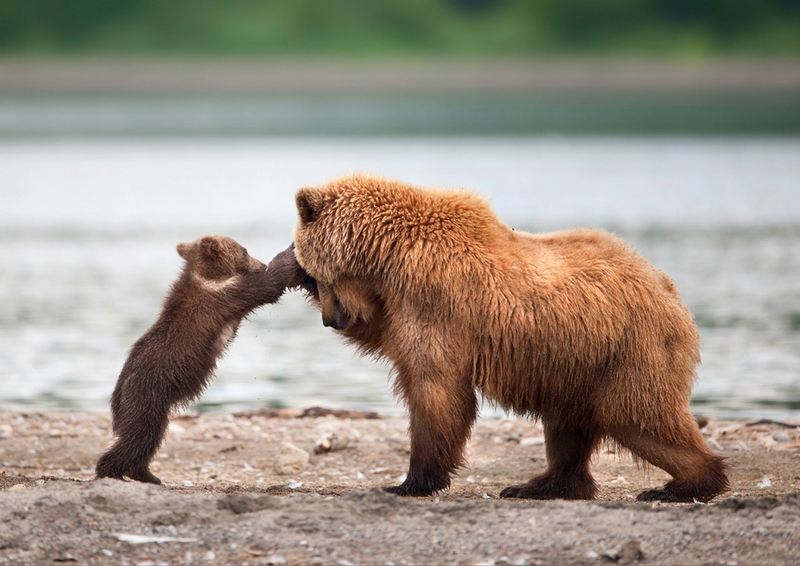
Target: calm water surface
88 232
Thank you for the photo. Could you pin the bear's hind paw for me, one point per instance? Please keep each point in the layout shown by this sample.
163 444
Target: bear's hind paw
526 491
544 487
671 496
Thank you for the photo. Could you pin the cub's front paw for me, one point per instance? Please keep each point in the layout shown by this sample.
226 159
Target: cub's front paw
284 267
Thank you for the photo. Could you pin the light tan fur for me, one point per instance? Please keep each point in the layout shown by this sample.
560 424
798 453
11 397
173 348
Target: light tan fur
573 327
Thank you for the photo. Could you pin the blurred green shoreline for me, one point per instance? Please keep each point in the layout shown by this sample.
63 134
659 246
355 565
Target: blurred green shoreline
44 97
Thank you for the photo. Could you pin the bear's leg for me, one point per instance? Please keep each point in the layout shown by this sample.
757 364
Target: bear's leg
140 432
567 476
698 474
440 419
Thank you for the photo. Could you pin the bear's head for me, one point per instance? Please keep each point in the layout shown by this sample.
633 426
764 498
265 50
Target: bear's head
340 226
218 258
364 239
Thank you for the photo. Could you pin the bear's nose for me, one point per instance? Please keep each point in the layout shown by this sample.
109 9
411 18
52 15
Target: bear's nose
329 322
340 319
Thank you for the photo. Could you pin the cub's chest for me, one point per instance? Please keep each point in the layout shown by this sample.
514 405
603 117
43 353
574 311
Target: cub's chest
225 337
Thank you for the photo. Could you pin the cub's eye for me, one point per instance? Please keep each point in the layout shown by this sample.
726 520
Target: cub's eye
244 252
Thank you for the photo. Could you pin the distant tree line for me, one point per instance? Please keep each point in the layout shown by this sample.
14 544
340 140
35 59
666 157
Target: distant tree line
399 27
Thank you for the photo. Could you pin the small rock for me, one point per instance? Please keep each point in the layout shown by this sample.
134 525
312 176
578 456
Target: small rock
291 459
767 441
176 429
628 553
330 442
536 441
766 482
780 436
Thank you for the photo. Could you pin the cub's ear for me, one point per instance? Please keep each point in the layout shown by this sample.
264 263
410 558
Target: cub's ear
211 247
183 249
309 204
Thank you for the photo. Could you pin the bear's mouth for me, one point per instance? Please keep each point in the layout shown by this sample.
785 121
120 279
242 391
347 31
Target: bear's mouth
340 319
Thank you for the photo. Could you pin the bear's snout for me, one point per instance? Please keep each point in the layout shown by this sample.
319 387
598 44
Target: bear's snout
338 319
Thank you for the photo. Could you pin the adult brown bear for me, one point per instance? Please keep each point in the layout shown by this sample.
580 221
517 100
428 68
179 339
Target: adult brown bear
571 327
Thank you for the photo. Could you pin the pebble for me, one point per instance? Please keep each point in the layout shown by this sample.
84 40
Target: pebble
331 442
628 553
291 459
780 436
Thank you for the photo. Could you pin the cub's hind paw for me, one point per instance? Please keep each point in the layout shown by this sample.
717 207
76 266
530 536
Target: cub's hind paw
103 475
144 476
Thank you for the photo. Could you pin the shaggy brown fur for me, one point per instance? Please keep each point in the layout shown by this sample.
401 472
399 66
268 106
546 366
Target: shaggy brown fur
572 327
174 360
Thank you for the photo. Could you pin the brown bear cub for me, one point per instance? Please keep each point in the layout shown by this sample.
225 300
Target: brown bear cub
572 327
174 360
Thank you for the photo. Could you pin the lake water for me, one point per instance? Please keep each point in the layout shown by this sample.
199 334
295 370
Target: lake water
88 232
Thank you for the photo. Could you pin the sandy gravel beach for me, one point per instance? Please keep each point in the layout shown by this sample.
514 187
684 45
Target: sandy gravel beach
281 487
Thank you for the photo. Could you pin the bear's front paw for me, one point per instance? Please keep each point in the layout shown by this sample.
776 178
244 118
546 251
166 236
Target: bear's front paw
416 488
407 491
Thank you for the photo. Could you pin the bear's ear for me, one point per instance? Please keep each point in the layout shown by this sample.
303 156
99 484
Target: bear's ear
183 250
309 204
211 248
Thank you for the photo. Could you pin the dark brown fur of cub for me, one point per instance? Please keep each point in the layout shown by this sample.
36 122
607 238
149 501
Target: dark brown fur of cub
175 359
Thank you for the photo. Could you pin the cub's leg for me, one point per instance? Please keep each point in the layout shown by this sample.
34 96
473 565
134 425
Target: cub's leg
567 476
140 429
697 472
440 419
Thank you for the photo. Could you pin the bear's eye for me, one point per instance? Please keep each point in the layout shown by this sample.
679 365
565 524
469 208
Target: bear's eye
244 252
